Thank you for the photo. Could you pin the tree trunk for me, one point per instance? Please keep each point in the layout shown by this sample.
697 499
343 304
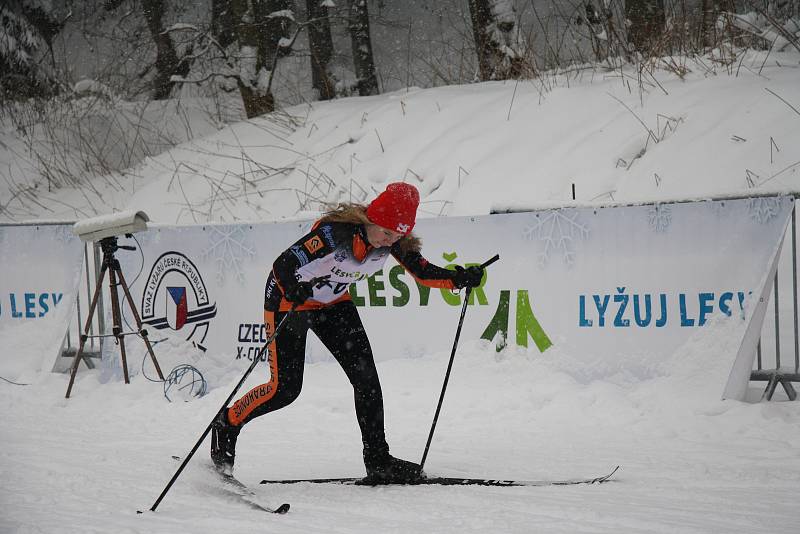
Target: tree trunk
481 17
493 28
255 103
275 27
647 21
167 61
321 45
222 22
358 25
256 97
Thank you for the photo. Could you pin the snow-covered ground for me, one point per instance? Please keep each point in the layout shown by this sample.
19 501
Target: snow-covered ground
689 461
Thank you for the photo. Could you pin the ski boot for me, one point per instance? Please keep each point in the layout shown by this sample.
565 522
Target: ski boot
383 468
223 443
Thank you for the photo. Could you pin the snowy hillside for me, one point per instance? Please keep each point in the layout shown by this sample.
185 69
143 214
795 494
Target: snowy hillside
690 462
616 135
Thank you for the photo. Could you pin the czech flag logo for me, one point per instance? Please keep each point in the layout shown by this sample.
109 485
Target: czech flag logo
177 307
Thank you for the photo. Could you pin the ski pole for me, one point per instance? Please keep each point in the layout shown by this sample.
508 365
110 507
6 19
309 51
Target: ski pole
230 397
450 365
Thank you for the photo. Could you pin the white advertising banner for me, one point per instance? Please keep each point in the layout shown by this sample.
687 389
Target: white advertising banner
40 269
604 283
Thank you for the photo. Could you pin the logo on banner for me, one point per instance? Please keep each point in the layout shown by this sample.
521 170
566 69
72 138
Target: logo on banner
177 309
503 321
176 297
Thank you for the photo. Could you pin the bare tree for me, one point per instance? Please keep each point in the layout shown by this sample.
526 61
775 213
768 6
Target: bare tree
647 20
259 28
496 39
602 34
167 64
358 25
251 57
222 24
241 44
276 18
321 46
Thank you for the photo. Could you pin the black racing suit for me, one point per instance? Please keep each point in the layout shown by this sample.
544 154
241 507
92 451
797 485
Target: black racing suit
341 252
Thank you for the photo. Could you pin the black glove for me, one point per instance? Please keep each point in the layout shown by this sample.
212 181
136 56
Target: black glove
299 292
469 277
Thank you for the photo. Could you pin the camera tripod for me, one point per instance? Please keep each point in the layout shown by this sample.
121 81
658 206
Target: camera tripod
111 265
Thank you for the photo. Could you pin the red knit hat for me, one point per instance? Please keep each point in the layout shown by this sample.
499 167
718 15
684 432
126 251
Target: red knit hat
395 208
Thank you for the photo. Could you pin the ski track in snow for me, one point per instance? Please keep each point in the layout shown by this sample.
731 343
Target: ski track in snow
690 462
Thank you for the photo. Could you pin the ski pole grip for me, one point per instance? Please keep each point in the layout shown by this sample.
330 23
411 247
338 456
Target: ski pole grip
490 261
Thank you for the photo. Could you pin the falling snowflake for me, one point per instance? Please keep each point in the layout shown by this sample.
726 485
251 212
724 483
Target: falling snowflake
660 217
557 231
720 208
63 233
229 251
762 210
153 238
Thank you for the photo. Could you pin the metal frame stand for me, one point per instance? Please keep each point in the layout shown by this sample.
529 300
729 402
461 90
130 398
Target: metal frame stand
111 265
777 376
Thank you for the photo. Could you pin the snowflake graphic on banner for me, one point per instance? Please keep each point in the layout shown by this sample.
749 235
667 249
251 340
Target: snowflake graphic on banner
660 217
228 250
762 210
557 230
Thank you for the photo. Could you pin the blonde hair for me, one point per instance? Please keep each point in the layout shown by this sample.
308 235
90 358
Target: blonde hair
357 214
346 213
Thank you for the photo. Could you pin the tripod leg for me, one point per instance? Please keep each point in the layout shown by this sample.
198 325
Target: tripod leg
138 319
117 328
85 335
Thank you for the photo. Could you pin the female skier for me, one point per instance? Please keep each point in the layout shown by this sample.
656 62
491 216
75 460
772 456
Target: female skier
346 245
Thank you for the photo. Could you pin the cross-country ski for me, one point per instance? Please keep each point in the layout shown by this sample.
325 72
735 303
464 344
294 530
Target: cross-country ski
233 487
451 481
